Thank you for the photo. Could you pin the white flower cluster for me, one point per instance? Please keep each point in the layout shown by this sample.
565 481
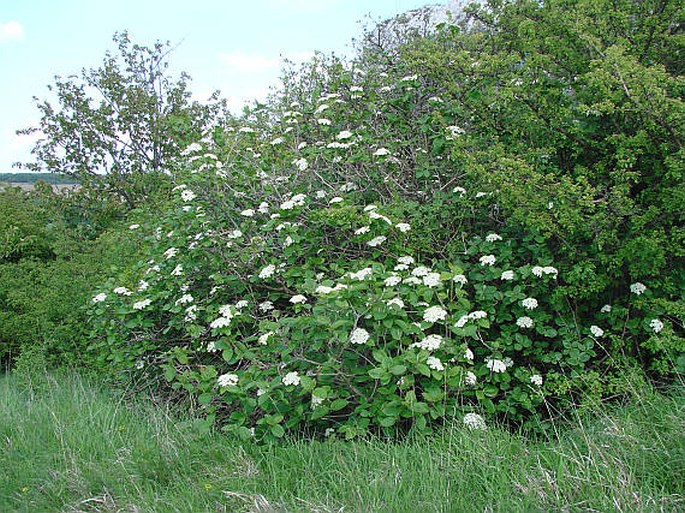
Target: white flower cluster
122 291
291 378
434 314
478 314
267 272
656 325
99 298
139 305
298 299
496 365
638 288
541 271
224 319
227 380
460 278
395 301
488 260
524 322
493 237
434 363
596 331
359 336
474 421
530 303
430 343
362 274
507 276
536 380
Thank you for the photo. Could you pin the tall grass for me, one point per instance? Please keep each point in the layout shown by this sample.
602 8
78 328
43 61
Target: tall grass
67 445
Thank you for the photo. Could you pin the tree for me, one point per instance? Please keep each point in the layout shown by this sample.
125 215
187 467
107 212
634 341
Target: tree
119 128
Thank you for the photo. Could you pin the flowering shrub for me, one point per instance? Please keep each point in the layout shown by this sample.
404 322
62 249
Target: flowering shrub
380 248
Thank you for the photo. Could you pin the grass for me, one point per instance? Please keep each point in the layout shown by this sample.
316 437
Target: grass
68 445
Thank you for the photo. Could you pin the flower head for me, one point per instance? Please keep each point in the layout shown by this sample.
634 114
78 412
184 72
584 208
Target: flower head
99 298
430 343
139 305
434 363
530 303
267 272
524 322
298 299
227 380
474 421
596 331
496 365
638 288
536 380
507 276
434 314
292 378
488 260
656 325
359 336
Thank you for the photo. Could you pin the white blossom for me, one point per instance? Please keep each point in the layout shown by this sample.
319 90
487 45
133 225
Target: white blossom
134 227
434 363
391 281
99 298
656 325
292 378
403 227
638 288
362 230
606 309
337 199
434 314
530 303
139 305
493 237
266 306
381 152
460 278
362 274
178 270
359 336
247 212
345 134
474 421
122 291
496 365
507 276
302 164
596 331
187 195
264 338
395 301
227 380
524 322
470 379
432 280
488 260
536 380
430 343
298 299
377 241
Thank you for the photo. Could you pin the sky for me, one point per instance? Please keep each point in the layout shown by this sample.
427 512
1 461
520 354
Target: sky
235 46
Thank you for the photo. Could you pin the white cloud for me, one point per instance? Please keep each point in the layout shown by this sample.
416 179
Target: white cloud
11 30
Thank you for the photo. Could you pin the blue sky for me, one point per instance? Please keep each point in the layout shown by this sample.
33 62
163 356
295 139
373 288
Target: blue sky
231 45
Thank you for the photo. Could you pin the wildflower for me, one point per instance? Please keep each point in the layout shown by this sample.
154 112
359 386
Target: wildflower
359 336
401 267
377 241
192 148
143 286
362 230
406 260
468 354
362 274
507 276
266 306
656 325
277 140
434 363
434 314
391 281
99 298
227 380
409 78
292 378
264 338
551 270
298 299
320 194
459 190
524 322
474 421
178 270
536 380
596 331
493 237
321 108
381 152
187 195
496 365
403 227
122 291
462 321
460 278
324 121
247 213
246 130
395 301
530 303
488 260
241 304
134 227
139 305
267 272
234 234
316 401
638 288
337 199
432 280
470 379
345 134
606 309
537 271
412 280
430 343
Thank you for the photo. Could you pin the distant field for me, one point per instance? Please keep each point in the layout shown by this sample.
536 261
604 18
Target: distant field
27 181
29 186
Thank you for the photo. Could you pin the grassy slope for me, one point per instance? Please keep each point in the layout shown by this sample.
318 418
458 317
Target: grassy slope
70 446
